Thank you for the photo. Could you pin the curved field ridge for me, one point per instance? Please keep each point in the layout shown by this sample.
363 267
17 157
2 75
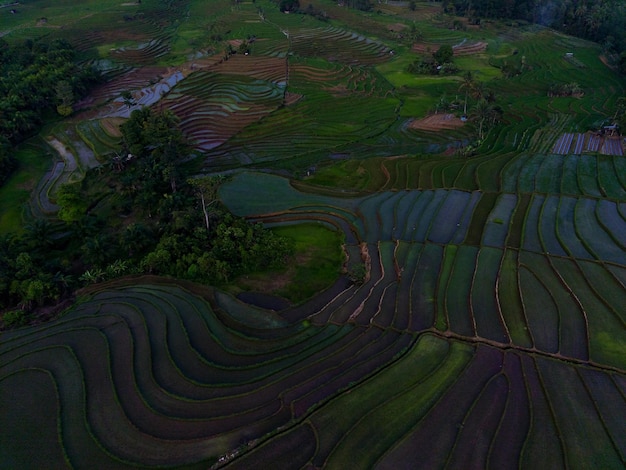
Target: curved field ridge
152 375
489 327
542 298
456 348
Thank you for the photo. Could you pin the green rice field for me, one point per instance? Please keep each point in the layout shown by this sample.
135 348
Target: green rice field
466 302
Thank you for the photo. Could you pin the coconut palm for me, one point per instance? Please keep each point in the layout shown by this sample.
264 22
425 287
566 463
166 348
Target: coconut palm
39 234
466 85
486 115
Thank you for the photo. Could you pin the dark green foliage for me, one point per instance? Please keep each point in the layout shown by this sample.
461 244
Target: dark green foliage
565 89
363 5
35 77
14 318
358 273
603 21
184 234
27 278
439 63
444 54
486 116
622 63
179 228
7 161
157 146
73 204
232 248
315 12
289 5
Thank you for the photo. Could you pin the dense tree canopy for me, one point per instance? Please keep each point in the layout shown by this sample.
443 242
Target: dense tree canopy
36 77
143 213
603 21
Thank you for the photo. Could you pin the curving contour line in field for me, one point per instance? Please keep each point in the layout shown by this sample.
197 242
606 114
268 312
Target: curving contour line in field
451 352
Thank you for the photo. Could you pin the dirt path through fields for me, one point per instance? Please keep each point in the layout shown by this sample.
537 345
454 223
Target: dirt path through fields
69 159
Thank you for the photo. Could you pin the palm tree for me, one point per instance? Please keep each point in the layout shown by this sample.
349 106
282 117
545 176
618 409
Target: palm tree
92 276
63 281
39 234
486 115
97 249
478 90
467 84
117 268
481 113
135 238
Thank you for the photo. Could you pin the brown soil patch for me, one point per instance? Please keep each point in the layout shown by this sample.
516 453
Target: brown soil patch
605 61
437 122
465 49
112 126
291 98
265 68
235 42
396 27
339 90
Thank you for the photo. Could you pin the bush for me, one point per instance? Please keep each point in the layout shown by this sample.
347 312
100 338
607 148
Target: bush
358 273
15 319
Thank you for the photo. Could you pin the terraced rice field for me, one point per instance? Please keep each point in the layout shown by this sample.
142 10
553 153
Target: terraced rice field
214 107
153 375
488 330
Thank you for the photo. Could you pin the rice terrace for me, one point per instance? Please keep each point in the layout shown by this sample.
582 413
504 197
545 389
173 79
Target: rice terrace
314 234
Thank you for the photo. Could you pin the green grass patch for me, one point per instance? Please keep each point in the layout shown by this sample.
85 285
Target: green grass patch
34 161
316 264
478 64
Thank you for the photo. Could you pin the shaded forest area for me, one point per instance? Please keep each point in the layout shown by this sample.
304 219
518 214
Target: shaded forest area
36 77
149 216
602 21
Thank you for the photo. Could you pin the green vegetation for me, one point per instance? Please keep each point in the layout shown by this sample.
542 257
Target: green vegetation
314 265
33 159
36 77
322 235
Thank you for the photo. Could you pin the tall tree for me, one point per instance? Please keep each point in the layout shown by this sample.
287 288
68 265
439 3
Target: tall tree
206 188
466 85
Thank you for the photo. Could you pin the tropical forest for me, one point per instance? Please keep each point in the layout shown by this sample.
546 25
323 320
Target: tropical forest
312 234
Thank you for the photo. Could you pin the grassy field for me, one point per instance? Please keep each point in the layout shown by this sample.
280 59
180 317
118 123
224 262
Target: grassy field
34 159
453 301
317 262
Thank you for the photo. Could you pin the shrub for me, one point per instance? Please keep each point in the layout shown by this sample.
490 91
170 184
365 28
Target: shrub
15 318
357 273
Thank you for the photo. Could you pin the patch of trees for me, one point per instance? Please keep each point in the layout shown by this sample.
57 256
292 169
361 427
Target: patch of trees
315 12
438 63
141 213
180 227
32 271
622 63
7 161
565 89
603 21
363 5
294 6
36 77
289 5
